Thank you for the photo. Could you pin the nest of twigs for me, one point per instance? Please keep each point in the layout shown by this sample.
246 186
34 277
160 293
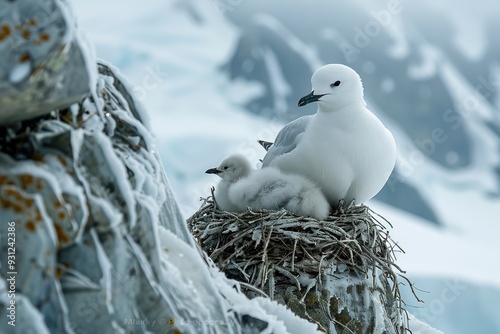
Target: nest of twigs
271 249
248 245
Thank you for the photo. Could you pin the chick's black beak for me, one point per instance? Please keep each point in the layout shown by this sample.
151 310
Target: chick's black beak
309 98
213 171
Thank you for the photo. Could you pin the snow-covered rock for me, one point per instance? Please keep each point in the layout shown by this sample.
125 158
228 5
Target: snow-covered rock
92 239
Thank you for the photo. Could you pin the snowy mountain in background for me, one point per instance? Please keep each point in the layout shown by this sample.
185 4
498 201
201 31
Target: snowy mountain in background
216 75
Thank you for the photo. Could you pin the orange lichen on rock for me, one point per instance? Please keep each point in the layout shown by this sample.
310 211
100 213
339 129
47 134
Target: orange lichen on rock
38 216
26 180
13 192
30 226
24 58
61 234
16 194
59 272
26 33
61 215
29 202
62 161
4 204
39 184
14 199
44 37
3 180
5 31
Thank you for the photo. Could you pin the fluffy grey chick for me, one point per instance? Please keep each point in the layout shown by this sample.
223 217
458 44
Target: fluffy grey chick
270 189
230 170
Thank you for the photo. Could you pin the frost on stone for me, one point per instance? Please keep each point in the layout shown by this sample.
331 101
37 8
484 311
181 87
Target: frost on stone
42 54
86 201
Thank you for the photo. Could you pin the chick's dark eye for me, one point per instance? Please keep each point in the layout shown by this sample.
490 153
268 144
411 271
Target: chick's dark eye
335 84
226 167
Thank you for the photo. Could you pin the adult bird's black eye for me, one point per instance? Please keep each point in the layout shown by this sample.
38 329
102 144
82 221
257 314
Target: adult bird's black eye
335 84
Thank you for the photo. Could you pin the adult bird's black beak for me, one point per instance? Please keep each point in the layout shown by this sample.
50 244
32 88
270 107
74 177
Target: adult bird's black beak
213 171
309 98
